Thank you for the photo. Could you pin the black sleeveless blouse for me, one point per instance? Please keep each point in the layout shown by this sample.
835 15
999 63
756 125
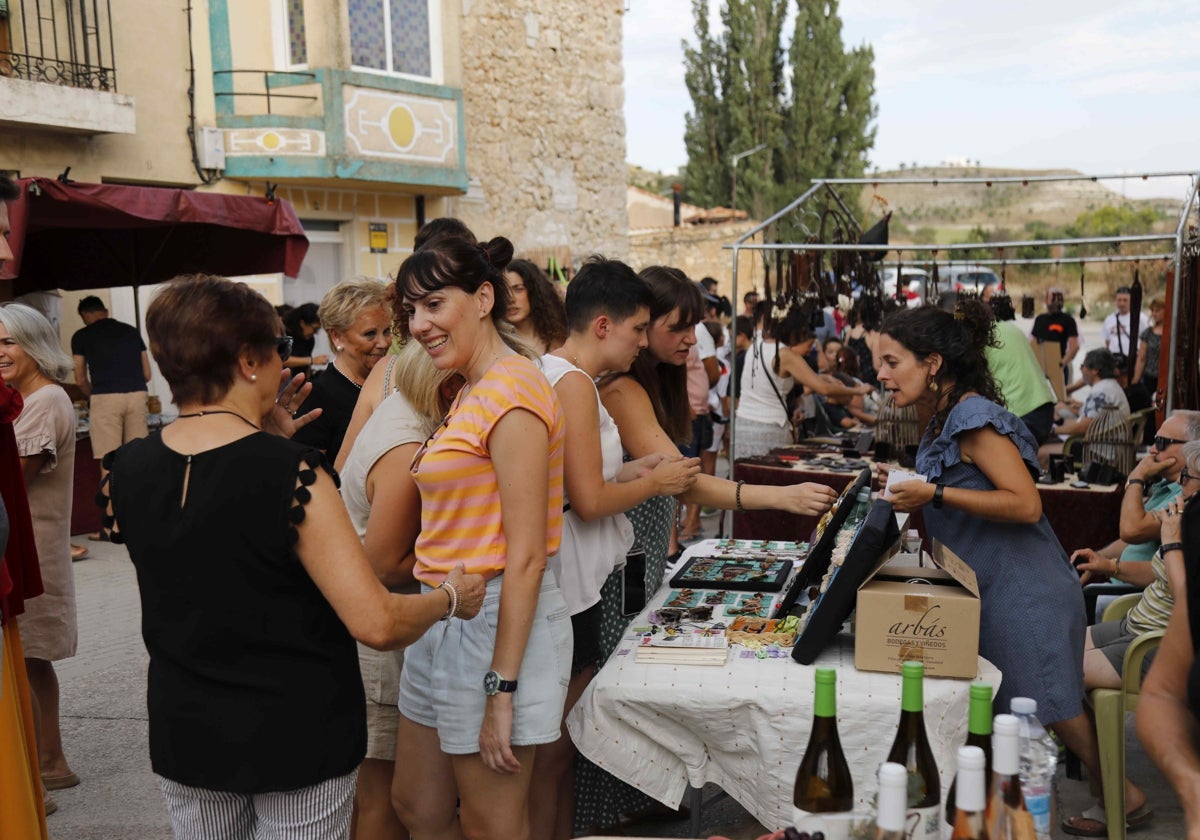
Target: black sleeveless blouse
253 683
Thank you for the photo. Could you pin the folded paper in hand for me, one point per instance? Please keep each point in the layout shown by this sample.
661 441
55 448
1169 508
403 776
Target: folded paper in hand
897 476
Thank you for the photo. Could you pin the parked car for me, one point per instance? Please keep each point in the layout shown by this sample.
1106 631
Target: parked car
969 278
914 281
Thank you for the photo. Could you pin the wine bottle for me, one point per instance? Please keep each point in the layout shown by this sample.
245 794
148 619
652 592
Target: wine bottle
891 816
979 734
911 751
823 782
969 819
1008 818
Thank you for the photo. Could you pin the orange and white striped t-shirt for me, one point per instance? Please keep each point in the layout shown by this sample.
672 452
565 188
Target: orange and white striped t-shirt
460 497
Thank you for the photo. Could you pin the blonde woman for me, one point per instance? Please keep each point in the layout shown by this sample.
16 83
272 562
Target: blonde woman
354 313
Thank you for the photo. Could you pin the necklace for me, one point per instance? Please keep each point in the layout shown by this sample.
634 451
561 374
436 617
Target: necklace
357 385
217 411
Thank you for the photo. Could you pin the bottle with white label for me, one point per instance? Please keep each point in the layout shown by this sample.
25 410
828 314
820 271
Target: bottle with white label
911 750
1039 761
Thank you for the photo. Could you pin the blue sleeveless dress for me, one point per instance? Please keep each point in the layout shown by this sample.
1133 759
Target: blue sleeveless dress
1033 623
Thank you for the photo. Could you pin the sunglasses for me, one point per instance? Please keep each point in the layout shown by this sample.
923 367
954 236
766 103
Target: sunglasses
415 466
283 346
1161 443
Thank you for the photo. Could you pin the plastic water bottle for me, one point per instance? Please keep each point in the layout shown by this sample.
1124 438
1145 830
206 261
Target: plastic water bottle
862 506
1039 761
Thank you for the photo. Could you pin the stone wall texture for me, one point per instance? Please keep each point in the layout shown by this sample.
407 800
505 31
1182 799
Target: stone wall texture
697 251
545 130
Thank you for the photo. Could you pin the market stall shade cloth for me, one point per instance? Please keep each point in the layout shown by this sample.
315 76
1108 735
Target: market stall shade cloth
90 236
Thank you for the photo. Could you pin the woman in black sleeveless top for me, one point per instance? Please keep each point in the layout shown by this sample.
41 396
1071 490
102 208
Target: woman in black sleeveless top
253 583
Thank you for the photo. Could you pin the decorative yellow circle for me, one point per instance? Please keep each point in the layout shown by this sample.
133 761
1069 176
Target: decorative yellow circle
402 127
270 141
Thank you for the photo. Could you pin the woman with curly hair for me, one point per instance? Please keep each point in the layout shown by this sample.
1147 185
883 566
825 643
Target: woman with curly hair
980 500
535 307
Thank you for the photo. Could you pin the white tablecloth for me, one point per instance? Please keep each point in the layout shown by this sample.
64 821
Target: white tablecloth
744 726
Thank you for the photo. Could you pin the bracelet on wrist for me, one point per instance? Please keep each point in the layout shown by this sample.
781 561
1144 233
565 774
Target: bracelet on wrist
453 593
1165 547
1132 481
737 497
1116 572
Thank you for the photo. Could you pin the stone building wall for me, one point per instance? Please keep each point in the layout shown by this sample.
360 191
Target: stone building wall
697 251
545 130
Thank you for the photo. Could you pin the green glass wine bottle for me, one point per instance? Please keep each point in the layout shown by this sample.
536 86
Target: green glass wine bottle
979 734
823 782
911 750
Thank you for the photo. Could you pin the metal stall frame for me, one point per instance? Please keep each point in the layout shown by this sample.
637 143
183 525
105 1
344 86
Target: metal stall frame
828 185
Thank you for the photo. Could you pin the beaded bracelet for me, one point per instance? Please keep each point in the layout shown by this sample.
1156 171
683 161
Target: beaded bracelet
737 497
449 587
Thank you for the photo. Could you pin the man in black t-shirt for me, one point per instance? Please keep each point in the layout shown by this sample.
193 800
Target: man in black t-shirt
1056 325
112 369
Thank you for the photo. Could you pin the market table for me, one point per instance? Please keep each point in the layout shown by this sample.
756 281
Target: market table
1081 517
744 726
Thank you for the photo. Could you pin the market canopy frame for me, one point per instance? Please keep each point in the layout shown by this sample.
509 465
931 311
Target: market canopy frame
1180 239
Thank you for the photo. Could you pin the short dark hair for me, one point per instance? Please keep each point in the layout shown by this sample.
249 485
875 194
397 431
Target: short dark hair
8 188
750 294
604 287
1101 360
545 304
709 283
198 325
91 303
744 326
306 312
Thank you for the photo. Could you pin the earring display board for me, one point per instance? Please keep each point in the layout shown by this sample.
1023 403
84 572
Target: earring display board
873 543
738 574
820 553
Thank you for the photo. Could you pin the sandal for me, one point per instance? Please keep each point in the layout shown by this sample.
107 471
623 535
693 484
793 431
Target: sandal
78 552
103 535
1092 822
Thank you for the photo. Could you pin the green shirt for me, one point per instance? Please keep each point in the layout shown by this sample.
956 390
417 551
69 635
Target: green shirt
1016 370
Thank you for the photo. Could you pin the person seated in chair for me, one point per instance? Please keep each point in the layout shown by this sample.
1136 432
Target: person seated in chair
1107 641
1099 371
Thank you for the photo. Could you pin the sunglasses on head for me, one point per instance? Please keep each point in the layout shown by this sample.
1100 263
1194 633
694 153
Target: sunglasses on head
1161 443
283 346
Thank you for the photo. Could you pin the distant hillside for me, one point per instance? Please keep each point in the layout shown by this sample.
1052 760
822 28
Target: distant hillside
926 213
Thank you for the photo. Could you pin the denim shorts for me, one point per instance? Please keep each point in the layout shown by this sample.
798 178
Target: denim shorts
442 683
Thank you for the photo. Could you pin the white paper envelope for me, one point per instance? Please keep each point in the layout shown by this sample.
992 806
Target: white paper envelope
897 476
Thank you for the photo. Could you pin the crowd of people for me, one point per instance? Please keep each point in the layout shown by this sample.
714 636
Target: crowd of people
420 560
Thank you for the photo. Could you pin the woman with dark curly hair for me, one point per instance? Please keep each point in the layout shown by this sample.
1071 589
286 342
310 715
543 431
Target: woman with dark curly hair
535 307
980 500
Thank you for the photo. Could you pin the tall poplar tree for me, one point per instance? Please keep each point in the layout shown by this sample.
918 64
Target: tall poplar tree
809 102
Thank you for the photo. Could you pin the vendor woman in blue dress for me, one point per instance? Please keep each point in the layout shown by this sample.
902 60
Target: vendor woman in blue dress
980 501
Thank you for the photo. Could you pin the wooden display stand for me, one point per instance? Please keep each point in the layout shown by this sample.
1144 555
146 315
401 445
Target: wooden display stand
1049 356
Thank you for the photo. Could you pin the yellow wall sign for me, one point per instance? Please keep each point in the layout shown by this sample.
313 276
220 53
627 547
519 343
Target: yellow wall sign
378 238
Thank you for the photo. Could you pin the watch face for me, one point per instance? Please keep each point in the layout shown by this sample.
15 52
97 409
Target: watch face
491 683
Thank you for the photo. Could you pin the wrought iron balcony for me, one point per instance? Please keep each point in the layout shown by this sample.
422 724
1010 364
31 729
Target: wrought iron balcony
60 42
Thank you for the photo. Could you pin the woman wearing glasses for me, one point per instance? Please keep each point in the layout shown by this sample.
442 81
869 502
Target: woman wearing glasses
477 696
253 583
354 313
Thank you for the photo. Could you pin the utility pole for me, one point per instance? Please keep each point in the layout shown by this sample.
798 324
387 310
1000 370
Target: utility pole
734 163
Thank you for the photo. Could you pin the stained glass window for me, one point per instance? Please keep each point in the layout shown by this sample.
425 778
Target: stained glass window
297 41
392 36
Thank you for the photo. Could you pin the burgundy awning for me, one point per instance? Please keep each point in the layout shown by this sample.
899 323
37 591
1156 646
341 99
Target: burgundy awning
91 236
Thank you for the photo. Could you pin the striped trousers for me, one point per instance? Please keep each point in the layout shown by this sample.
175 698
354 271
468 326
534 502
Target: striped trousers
316 812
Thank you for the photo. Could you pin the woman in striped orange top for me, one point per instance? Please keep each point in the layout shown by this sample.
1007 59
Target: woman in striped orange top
477 696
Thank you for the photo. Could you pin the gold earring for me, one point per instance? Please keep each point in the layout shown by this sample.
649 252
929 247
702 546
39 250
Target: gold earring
933 385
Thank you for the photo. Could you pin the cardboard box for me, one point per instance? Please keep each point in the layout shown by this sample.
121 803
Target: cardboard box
928 613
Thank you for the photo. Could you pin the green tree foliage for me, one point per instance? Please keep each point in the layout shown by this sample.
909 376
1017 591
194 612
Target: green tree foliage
810 102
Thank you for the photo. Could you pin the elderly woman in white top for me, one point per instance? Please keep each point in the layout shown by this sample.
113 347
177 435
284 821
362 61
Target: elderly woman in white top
385 507
33 362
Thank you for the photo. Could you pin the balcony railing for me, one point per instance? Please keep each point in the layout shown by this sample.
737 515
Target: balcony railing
60 42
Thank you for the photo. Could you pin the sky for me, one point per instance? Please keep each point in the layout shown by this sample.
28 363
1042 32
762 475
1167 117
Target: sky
1099 86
